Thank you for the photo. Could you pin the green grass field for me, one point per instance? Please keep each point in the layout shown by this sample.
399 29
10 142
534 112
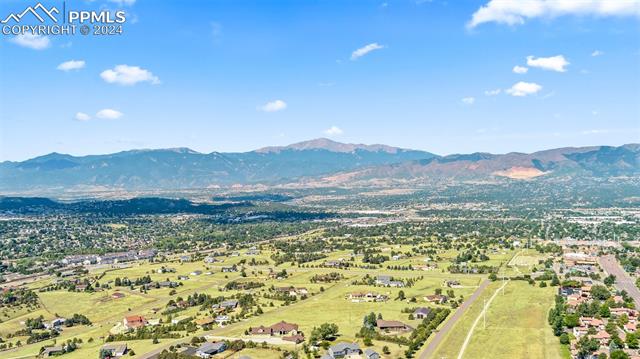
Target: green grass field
329 306
516 326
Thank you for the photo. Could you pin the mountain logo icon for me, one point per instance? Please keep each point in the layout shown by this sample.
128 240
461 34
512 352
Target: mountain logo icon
36 12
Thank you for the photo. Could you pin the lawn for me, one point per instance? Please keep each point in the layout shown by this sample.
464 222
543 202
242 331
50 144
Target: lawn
516 326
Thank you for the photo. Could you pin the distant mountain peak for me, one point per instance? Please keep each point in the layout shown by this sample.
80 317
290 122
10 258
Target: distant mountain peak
332 146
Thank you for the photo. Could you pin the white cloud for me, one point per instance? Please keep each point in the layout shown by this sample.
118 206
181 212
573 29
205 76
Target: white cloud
365 50
469 100
597 53
273 106
124 2
333 131
36 42
523 89
492 92
128 75
71 65
109 114
520 69
516 12
553 63
81 116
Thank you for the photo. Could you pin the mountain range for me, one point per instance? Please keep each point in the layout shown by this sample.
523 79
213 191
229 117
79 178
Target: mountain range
319 161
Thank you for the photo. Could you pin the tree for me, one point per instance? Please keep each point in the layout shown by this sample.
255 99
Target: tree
493 277
604 311
619 354
326 331
600 292
632 341
572 320
401 295
564 338
610 280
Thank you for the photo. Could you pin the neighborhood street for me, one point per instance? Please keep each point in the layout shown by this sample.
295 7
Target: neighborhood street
623 281
451 322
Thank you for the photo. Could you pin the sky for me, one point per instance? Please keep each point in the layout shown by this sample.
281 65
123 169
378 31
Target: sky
234 75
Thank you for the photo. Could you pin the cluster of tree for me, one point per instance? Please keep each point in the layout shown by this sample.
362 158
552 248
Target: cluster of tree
327 278
18 297
126 282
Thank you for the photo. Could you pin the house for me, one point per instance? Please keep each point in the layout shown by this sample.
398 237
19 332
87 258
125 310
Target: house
52 351
421 313
341 350
210 259
134 322
279 329
117 295
580 331
284 328
207 350
196 272
392 326
452 283
114 350
55 324
367 297
592 322
229 304
146 254
261 330
229 269
167 284
388 281
296 338
603 337
183 277
436 298
204 321
370 354
221 319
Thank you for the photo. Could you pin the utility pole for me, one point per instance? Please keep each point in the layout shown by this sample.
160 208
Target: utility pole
485 314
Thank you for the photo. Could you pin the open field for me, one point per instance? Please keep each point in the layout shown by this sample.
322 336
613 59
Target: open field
516 326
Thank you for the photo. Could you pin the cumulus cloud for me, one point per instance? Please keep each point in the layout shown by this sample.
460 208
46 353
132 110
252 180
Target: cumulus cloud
128 75
81 116
520 69
273 106
468 100
553 63
109 114
516 12
71 65
521 89
492 92
365 50
333 131
35 42
597 53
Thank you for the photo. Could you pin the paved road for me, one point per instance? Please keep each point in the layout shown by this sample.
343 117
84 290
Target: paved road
623 281
442 333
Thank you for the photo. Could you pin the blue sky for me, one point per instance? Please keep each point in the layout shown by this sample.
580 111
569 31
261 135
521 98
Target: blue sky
239 75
